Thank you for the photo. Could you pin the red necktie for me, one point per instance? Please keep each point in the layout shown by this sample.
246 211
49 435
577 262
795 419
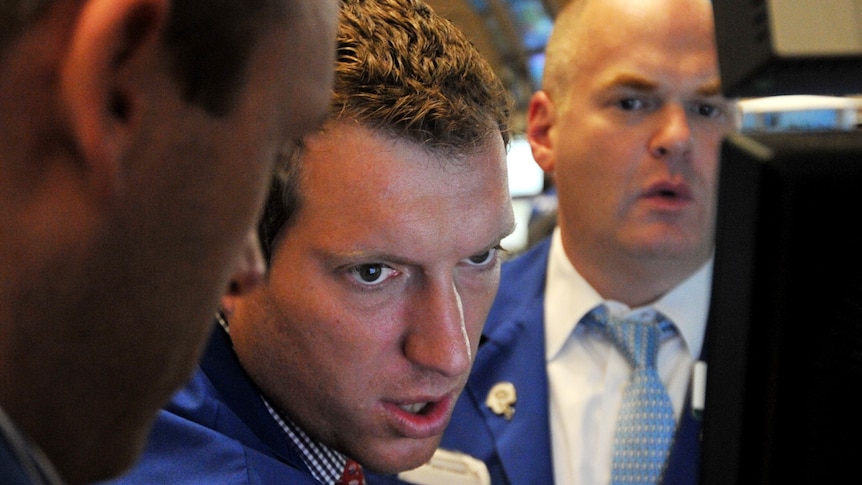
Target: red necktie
352 474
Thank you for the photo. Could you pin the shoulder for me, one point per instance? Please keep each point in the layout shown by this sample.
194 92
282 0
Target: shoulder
198 440
187 446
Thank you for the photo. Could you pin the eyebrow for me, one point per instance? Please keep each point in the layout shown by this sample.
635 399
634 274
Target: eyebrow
632 82
710 89
637 83
361 254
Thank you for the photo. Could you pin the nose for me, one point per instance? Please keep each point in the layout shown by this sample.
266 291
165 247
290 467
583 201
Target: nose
673 137
250 267
437 339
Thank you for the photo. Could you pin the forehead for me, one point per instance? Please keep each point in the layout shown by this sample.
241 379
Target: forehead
673 25
657 15
348 155
667 37
363 188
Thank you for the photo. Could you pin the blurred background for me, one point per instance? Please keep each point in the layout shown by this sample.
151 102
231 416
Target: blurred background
511 34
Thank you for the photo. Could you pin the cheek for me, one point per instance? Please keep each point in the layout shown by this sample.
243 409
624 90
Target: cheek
591 181
477 303
709 137
707 162
380 333
594 154
294 311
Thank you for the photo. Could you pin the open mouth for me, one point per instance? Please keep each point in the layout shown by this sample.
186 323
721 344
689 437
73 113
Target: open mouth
420 417
669 192
415 408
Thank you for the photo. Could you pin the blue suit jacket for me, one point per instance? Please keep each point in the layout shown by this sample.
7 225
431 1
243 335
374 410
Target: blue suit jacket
11 470
518 452
217 430
21 462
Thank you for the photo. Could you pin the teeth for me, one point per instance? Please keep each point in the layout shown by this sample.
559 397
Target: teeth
413 408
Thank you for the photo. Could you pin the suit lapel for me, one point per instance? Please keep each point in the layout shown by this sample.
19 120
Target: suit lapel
509 355
238 392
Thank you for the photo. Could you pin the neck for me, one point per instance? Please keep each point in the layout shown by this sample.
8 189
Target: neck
634 281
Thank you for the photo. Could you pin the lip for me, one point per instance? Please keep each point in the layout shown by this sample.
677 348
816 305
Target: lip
669 195
429 423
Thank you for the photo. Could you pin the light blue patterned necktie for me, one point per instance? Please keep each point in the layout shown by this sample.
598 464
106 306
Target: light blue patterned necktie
645 426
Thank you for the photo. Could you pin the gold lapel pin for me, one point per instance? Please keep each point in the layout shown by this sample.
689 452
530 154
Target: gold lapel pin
501 399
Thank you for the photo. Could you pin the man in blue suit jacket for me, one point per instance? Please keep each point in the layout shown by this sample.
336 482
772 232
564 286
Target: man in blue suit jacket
629 122
518 451
358 343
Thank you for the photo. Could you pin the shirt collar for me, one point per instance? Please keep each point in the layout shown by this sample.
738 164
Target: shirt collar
326 464
687 306
568 297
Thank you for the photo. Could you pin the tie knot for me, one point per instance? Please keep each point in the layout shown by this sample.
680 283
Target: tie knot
637 337
352 475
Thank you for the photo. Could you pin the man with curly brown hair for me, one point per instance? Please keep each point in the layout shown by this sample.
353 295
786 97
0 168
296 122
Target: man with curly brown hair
382 233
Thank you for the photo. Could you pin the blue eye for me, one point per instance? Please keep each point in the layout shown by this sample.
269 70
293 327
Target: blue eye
634 104
483 258
630 104
371 274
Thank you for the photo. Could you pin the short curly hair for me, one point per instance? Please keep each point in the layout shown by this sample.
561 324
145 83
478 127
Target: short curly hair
403 70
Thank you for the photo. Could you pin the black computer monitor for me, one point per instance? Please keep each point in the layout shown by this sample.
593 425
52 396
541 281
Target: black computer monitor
773 47
784 336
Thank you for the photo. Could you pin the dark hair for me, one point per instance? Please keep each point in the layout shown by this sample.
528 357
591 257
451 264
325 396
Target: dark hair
209 40
408 72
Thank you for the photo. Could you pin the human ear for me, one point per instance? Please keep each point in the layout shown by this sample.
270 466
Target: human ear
540 119
250 269
228 303
99 102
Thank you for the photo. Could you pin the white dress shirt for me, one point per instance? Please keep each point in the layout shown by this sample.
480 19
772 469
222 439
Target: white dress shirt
587 374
